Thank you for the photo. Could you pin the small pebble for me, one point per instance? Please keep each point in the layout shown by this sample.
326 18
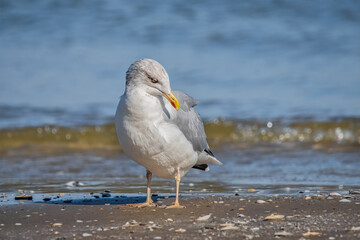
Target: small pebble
74 184
335 194
226 224
345 201
86 234
57 224
354 192
275 217
227 228
283 234
355 229
132 223
260 201
203 218
180 230
311 234
23 197
18 224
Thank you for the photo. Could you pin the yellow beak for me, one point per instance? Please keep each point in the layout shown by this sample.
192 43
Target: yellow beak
172 99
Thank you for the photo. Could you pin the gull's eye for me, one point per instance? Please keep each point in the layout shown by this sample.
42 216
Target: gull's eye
153 80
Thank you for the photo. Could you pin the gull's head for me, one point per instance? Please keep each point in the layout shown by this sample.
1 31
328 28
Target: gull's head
152 77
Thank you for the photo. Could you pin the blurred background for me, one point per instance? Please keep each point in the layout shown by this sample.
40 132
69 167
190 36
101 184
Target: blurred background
278 83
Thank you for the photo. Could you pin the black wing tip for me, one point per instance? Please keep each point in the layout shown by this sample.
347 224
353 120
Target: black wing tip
201 167
208 151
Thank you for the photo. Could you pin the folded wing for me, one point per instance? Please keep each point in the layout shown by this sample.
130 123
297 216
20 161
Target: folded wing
190 123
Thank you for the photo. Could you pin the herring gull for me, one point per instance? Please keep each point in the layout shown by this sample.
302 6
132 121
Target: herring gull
160 129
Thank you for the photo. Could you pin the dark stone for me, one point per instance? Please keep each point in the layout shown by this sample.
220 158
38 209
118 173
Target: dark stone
23 197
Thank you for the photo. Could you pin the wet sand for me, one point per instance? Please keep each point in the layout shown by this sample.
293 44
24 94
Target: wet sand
232 217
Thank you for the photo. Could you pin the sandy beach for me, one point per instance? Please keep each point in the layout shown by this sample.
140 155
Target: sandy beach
277 85
321 216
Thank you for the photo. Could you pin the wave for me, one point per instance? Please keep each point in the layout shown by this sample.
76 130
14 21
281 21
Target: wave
52 139
344 131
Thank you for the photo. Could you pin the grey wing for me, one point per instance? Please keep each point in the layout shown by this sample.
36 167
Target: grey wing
189 121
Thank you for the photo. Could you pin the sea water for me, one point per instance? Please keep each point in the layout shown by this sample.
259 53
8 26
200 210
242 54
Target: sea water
278 84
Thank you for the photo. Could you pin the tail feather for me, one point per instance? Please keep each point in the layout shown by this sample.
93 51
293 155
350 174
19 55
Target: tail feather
203 167
208 151
206 157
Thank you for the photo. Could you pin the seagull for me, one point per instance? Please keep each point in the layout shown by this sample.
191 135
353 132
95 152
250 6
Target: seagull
159 129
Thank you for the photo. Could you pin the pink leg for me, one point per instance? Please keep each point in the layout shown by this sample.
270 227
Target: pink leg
176 203
148 202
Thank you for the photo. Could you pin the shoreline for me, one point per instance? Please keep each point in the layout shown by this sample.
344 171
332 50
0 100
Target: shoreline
330 216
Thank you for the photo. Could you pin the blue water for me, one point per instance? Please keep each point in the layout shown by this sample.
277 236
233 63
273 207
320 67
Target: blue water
253 59
271 169
64 63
